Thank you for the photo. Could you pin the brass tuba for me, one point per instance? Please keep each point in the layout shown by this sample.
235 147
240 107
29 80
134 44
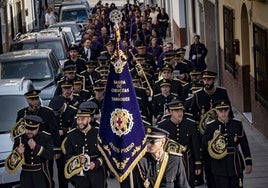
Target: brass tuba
174 147
217 146
74 165
14 161
18 129
205 118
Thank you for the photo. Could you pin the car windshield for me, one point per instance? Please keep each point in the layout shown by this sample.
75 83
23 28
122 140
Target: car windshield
8 116
34 69
55 45
69 15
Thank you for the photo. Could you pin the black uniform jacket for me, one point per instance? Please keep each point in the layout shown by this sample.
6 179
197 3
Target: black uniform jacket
232 164
202 101
42 152
149 168
49 122
76 140
185 134
176 87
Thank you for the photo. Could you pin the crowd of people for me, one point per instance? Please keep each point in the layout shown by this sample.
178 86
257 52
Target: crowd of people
174 95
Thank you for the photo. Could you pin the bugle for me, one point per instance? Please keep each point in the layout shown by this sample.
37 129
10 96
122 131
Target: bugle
74 165
141 72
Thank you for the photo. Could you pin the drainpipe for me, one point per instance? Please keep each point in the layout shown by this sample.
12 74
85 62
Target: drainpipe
217 41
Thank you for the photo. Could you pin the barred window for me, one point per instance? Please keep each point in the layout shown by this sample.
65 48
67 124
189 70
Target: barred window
260 42
229 55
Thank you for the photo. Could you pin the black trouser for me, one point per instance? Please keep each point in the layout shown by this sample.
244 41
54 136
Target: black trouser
33 179
227 181
63 182
208 174
50 168
91 179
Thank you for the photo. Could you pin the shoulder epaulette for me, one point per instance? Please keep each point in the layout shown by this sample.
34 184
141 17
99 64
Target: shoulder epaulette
221 87
175 94
157 94
142 88
72 107
189 98
198 90
84 71
85 90
211 121
161 121
48 108
81 76
157 81
61 80
186 84
189 114
46 132
145 123
138 98
71 130
190 120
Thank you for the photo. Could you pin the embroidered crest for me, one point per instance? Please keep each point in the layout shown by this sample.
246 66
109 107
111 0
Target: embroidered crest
121 121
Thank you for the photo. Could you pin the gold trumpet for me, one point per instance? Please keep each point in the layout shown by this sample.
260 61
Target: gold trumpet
141 72
74 165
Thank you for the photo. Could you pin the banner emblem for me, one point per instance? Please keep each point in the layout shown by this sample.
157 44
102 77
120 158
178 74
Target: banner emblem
121 121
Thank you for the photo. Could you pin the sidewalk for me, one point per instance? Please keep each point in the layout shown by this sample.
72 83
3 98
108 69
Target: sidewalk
259 151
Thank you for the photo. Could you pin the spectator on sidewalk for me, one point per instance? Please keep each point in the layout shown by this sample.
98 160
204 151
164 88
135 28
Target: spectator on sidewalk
198 53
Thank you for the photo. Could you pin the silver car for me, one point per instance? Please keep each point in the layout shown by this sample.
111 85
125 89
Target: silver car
11 100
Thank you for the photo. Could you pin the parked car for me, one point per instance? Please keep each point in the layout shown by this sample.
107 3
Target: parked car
39 65
74 13
11 99
59 42
75 2
76 28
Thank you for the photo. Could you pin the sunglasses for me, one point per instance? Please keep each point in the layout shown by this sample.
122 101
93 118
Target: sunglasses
152 141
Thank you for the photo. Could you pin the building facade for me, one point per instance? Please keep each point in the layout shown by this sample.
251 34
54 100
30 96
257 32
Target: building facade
236 35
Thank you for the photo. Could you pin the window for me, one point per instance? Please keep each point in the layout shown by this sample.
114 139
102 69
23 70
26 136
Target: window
260 42
229 55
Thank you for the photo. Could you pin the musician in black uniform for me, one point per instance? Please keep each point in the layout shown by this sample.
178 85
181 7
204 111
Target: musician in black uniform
80 94
69 70
36 148
166 73
90 75
160 100
67 93
65 115
183 130
75 59
82 143
98 96
194 84
202 102
227 163
158 168
49 122
142 98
